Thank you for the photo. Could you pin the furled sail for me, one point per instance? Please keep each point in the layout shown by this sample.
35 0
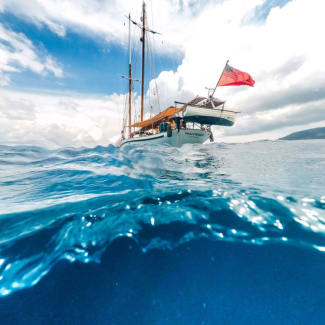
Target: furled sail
166 114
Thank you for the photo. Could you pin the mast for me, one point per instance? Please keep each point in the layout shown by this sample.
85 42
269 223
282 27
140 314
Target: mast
143 39
130 76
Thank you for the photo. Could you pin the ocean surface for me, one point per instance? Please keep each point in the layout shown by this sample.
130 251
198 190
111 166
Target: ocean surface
202 234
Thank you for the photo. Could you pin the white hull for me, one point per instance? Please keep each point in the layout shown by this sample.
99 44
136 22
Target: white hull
177 139
210 116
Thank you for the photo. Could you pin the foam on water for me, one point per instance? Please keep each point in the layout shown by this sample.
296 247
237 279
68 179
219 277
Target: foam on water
72 203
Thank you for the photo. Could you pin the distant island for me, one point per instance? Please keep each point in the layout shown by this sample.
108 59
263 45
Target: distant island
316 133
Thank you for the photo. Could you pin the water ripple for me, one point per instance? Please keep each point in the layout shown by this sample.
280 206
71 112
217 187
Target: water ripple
72 203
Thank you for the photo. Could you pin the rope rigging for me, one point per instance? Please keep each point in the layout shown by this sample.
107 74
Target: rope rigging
154 106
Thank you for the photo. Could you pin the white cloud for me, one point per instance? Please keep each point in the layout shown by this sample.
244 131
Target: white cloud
17 52
52 66
57 121
284 54
4 79
106 18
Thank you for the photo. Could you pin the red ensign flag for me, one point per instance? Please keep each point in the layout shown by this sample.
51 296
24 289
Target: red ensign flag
234 77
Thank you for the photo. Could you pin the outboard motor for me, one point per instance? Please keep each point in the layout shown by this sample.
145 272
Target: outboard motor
163 127
169 131
178 122
211 137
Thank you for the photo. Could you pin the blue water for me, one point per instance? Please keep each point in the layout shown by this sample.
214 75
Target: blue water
157 235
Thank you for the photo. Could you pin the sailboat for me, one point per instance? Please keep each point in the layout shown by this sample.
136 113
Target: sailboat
183 122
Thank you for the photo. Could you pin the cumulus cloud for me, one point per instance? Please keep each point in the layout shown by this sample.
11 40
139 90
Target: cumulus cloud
17 110
57 121
17 52
4 79
106 18
291 115
284 53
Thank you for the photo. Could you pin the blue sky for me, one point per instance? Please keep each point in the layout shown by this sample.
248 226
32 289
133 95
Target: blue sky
263 10
90 64
64 59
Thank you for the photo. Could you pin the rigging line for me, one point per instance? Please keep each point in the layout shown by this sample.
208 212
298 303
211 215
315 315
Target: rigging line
151 14
153 52
134 59
125 115
154 77
150 59
161 67
149 88
137 69
135 55
151 96
150 102
125 112
146 29
150 62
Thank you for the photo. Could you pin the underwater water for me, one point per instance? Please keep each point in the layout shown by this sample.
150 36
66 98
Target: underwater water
200 234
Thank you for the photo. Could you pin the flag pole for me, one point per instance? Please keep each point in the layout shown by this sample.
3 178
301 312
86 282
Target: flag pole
214 90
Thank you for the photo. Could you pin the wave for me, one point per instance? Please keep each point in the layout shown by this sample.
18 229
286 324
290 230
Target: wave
72 203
